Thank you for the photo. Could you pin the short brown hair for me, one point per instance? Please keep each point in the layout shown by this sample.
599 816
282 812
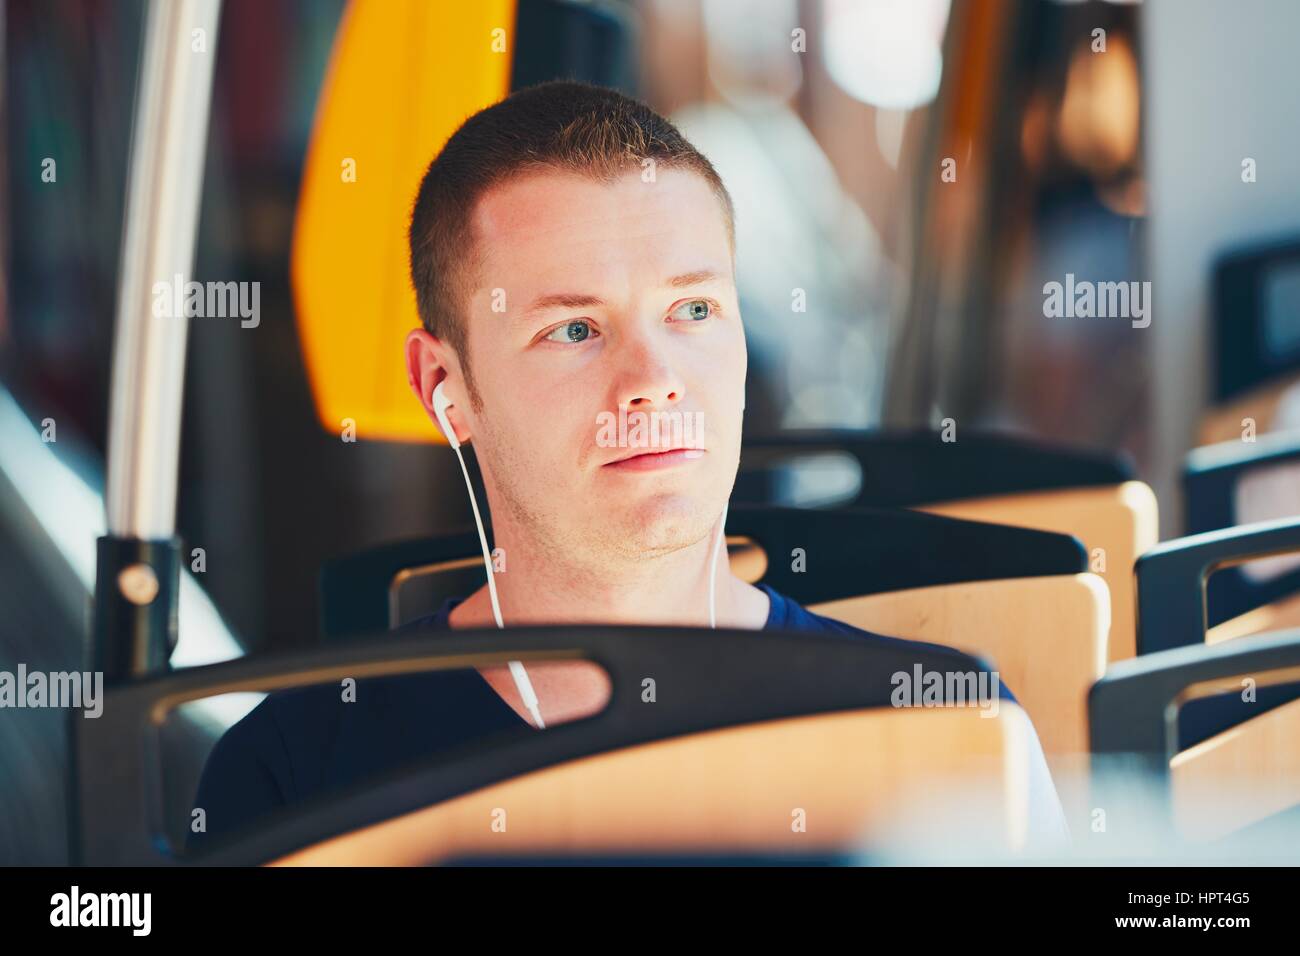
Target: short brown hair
561 125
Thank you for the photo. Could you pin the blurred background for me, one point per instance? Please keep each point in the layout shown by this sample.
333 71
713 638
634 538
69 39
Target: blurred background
1102 139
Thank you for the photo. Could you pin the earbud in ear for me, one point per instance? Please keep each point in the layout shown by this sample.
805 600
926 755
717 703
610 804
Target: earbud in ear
527 694
440 405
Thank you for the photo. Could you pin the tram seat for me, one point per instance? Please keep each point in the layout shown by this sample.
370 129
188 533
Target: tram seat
993 478
1232 783
730 792
1172 581
697 773
1240 483
1256 363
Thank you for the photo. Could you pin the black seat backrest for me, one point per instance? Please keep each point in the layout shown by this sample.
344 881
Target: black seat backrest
1211 478
769 676
1172 579
848 552
905 467
1255 342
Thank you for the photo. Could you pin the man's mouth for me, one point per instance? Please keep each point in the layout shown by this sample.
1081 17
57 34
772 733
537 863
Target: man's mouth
655 459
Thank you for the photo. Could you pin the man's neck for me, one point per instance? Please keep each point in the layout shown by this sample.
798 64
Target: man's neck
670 589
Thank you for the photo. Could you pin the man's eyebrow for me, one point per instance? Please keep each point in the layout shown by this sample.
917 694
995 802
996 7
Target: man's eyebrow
563 300
578 300
698 277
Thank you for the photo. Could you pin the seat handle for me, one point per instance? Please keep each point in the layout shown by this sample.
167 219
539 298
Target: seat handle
1171 578
1133 709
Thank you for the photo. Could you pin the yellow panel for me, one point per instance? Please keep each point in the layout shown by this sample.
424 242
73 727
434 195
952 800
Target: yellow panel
403 75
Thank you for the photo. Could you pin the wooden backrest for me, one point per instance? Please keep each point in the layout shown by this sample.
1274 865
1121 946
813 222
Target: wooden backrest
1238 777
1279 616
851 776
1224 422
1046 637
1122 520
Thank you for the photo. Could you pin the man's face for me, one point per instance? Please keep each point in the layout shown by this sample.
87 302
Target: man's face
606 296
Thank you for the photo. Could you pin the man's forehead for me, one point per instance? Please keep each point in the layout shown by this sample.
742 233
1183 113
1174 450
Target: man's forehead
534 224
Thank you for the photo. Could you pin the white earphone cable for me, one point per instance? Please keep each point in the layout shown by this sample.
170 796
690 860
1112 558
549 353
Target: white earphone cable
718 545
517 671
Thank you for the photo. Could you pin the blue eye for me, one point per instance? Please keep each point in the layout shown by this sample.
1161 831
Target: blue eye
576 331
697 310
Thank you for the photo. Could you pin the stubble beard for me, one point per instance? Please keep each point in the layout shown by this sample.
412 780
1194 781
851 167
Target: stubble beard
597 544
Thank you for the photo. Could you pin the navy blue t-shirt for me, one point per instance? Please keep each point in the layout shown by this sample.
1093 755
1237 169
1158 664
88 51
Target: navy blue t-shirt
308 742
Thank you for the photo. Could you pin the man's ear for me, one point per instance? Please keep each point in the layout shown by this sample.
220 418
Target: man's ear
429 362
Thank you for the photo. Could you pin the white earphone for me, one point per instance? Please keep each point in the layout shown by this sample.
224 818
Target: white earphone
525 686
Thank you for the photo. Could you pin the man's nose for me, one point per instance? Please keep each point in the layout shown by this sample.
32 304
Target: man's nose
647 376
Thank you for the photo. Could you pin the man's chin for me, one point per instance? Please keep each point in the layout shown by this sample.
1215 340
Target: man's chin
663 525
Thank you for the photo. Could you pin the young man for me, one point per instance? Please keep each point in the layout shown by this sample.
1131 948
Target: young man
573 259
